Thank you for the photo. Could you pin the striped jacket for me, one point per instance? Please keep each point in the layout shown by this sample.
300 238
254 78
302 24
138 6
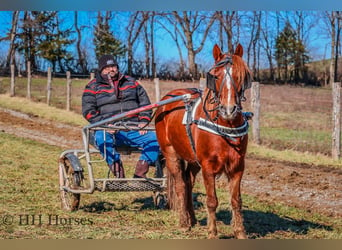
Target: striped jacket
101 99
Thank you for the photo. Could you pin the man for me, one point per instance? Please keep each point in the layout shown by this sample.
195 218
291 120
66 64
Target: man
109 94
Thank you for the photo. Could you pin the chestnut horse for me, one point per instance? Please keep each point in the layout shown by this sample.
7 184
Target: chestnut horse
208 133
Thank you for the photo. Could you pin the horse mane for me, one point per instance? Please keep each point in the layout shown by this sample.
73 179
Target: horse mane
241 69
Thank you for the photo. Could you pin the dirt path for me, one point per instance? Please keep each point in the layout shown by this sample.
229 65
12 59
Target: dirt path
314 188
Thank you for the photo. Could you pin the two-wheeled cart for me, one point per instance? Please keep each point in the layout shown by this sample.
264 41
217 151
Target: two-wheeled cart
75 180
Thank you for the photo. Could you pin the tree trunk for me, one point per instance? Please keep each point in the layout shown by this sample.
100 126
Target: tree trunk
134 27
333 45
81 60
10 57
189 24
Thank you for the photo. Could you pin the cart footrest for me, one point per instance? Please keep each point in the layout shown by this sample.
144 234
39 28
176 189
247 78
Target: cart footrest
127 185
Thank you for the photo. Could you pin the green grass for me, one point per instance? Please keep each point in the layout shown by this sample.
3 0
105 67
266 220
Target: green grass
29 186
41 110
293 156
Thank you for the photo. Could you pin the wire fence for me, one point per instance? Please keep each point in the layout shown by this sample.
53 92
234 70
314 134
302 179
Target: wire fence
255 103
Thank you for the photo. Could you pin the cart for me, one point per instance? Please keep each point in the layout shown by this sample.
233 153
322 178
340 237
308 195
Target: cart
75 179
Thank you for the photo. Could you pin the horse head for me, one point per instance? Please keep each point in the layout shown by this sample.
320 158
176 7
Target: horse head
227 80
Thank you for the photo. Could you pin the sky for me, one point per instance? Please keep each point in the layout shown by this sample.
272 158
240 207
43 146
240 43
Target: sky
171 5
318 44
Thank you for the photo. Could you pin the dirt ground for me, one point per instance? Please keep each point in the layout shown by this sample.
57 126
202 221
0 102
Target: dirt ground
313 188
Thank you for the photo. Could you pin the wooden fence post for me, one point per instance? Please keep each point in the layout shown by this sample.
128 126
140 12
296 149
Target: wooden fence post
48 98
336 116
68 75
202 83
157 89
29 79
12 91
255 104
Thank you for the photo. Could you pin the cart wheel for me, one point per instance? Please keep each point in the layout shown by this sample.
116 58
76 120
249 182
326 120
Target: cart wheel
160 200
68 177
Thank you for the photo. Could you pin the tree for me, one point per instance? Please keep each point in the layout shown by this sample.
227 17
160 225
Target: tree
190 22
268 45
53 42
136 23
81 54
11 36
104 40
254 41
174 32
226 21
289 52
26 44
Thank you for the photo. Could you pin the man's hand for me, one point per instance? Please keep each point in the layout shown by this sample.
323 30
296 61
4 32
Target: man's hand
111 131
141 125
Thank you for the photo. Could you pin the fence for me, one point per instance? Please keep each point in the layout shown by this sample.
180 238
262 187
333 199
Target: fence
255 104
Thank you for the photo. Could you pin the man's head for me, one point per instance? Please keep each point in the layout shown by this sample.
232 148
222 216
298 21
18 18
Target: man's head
108 65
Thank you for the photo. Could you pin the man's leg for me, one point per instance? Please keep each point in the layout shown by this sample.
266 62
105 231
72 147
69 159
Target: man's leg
150 149
105 143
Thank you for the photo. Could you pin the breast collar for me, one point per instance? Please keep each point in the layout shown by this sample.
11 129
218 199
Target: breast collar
228 132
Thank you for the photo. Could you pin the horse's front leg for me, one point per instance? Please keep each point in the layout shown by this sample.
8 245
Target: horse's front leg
236 202
212 203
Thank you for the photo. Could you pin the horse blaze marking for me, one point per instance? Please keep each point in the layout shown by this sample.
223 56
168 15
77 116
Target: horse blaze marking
229 86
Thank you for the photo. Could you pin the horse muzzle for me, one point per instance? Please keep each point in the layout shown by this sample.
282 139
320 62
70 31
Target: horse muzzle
228 112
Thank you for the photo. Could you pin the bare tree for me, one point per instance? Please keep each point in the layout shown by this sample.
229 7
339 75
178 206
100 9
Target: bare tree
226 21
268 45
134 27
12 35
254 38
332 20
190 22
175 33
81 56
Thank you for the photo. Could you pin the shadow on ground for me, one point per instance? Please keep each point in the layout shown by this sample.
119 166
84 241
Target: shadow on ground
259 224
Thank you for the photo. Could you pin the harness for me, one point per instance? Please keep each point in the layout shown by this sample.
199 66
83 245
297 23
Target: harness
208 124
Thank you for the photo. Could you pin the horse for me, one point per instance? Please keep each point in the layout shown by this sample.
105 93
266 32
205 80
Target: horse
207 133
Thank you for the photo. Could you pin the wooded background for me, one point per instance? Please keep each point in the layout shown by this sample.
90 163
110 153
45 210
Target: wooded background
299 47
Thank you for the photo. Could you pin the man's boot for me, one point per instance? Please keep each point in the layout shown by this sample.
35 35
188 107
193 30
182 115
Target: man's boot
117 169
141 169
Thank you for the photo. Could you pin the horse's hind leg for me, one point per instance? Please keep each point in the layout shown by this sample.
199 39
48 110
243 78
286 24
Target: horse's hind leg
176 170
236 202
212 203
192 170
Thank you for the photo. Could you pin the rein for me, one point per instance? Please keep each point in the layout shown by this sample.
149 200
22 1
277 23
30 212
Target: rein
211 85
208 124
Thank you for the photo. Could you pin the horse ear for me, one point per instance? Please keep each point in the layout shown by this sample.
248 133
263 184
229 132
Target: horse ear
239 50
217 53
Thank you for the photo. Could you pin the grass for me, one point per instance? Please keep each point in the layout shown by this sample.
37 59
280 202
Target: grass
29 179
29 187
41 110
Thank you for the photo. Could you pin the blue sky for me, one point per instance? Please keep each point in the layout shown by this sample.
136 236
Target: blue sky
317 44
171 5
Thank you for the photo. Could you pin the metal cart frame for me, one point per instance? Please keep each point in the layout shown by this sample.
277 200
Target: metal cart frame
71 173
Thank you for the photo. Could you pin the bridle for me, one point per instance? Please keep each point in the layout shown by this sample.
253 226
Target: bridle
227 62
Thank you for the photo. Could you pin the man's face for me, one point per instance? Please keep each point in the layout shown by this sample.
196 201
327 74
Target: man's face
111 70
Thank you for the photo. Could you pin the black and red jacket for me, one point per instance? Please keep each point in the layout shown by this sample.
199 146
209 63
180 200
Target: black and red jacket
101 99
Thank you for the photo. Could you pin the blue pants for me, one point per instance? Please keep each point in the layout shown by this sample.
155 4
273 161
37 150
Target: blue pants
147 142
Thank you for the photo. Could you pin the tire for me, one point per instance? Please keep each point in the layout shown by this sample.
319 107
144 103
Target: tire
70 178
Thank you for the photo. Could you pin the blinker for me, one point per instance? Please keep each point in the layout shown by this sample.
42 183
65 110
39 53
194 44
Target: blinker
211 82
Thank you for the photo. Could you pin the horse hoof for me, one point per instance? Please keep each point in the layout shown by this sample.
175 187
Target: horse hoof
240 235
186 229
212 236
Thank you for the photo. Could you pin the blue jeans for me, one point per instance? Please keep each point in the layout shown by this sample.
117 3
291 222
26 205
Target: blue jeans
147 142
